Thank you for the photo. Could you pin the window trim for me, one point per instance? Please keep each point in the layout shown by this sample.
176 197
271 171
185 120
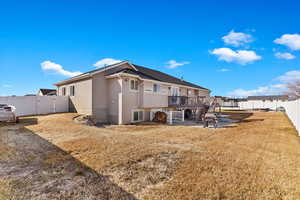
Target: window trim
175 87
70 90
137 110
157 88
63 91
135 81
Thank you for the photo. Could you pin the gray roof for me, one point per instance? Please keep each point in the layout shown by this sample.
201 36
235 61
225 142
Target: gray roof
144 73
163 77
269 97
48 91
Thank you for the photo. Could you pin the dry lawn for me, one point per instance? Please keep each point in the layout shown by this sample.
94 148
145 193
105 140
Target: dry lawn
51 157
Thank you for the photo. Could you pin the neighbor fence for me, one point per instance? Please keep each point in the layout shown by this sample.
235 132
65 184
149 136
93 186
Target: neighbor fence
37 105
291 109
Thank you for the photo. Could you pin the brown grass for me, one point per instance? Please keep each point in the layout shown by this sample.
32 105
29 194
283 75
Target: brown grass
258 158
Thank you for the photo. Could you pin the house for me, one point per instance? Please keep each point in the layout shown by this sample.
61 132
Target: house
272 102
228 102
125 93
270 98
46 92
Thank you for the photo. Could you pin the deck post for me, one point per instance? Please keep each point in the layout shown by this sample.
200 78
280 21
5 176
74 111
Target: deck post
170 116
182 112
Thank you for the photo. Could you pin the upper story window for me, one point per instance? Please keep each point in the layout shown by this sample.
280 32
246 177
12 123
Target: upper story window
156 87
63 91
134 85
72 90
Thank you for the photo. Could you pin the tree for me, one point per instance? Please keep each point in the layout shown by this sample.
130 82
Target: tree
293 89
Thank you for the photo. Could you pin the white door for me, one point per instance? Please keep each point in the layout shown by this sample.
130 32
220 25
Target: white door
174 94
174 91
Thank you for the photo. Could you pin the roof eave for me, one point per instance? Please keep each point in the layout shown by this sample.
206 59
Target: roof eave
91 74
72 80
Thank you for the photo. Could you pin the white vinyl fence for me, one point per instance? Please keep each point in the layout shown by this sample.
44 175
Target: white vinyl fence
37 105
291 109
259 104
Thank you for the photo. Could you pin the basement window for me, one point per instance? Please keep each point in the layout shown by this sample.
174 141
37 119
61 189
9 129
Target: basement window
137 115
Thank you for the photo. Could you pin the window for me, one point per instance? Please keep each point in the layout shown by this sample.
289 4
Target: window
64 91
156 88
137 115
72 90
174 91
134 85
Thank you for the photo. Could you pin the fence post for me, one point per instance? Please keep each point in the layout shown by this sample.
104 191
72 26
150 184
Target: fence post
170 116
182 112
298 118
54 104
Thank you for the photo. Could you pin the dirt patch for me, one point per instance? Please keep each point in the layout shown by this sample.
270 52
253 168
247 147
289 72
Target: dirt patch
41 170
140 175
134 128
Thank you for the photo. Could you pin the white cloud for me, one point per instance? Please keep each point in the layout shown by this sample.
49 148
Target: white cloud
171 64
273 89
237 39
290 76
223 70
265 90
57 68
106 61
290 40
242 57
287 56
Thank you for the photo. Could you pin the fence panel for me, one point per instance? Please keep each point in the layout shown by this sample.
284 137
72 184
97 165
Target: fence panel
37 105
291 109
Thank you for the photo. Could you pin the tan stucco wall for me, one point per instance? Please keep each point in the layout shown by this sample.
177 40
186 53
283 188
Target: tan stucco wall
154 99
203 93
131 99
100 97
114 88
82 101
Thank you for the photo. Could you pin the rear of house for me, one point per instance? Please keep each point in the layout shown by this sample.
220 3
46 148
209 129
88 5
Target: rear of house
126 93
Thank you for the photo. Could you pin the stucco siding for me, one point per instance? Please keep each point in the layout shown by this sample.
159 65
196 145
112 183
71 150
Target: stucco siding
131 100
153 99
82 101
114 88
100 97
203 93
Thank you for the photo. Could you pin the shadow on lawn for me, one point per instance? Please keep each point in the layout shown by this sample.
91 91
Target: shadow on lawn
40 169
237 115
252 120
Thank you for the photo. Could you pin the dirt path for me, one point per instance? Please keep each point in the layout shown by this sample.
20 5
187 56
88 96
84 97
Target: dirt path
51 157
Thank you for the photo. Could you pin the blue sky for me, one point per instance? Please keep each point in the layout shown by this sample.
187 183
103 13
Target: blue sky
234 48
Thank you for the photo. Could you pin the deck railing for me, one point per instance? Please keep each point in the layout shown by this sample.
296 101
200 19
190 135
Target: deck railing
181 101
